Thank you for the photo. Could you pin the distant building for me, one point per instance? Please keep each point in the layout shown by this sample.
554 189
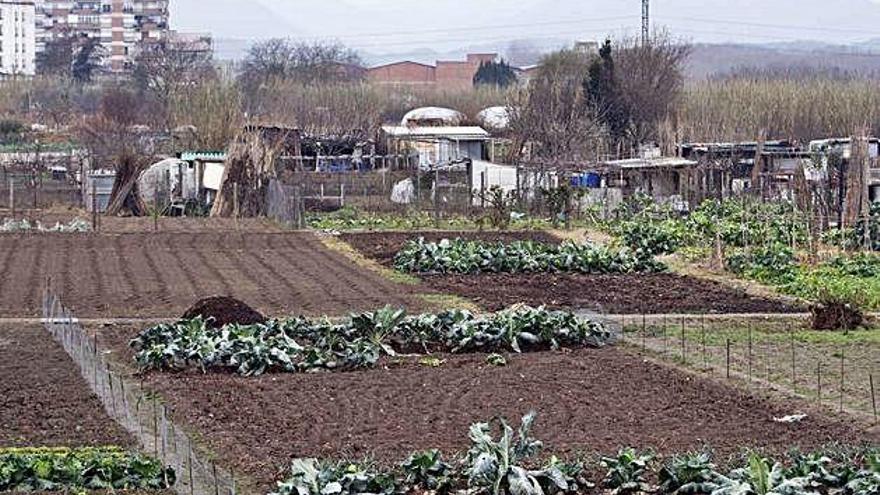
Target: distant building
121 26
437 146
17 38
444 74
200 43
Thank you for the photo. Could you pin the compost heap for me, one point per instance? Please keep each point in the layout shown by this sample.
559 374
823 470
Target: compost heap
221 311
836 316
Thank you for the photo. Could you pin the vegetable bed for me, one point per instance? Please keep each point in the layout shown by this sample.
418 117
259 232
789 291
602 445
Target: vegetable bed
463 256
300 344
588 400
628 294
501 461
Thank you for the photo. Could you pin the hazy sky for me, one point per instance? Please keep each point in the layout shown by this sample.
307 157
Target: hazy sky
398 25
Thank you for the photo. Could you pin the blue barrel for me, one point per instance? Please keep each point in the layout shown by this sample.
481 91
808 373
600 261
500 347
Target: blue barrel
593 180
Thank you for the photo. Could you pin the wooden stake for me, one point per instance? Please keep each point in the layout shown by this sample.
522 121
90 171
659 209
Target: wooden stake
873 396
683 347
728 359
750 351
842 381
793 367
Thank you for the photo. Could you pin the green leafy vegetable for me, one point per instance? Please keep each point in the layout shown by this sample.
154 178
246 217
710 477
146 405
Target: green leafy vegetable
300 344
105 468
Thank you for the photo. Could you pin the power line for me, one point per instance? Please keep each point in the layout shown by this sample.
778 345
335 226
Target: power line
771 26
493 27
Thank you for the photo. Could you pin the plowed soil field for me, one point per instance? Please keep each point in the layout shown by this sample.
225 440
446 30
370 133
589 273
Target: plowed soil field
660 293
161 274
588 401
44 402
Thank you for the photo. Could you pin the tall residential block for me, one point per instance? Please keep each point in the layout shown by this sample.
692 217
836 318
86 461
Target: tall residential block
120 26
17 38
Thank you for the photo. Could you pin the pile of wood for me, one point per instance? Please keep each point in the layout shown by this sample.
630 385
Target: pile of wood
125 196
857 203
250 164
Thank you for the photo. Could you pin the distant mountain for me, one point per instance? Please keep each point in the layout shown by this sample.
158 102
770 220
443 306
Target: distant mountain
706 59
709 60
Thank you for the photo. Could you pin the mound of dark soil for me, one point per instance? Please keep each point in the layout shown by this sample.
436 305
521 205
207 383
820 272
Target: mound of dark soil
224 311
837 316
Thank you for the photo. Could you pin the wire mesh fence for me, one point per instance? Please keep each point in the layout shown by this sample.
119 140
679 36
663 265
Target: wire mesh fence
840 374
137 409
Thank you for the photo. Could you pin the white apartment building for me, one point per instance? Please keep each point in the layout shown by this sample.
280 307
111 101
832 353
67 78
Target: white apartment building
17 38
121 26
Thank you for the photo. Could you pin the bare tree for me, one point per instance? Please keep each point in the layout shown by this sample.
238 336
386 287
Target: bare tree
307 63
650 80
550 116
167 68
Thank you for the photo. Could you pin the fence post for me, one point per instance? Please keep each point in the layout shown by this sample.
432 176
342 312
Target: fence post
437 198
873 396
750 351
12 196
94 206
728 359
793 362
683 346
703 342
819 382
483 189
842 381
644 332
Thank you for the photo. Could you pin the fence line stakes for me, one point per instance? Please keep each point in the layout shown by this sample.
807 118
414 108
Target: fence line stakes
819 381
842 382
703 340
644 332
873 396
190 467
665 337
750 351
728 358
683 349
155 427
214 475
793 368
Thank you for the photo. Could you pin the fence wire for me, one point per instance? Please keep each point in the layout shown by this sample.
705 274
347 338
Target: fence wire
138 410
768 356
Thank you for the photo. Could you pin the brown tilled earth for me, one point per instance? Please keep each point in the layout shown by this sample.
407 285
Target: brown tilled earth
162 274
44 402
662 293
590 400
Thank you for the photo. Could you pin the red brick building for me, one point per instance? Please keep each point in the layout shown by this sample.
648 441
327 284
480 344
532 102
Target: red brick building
444 74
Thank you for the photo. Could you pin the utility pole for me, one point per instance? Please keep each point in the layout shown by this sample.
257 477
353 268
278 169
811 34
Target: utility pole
646 22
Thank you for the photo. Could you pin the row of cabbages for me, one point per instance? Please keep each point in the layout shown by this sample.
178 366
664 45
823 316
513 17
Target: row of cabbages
462 256
75 225
301 344
506 465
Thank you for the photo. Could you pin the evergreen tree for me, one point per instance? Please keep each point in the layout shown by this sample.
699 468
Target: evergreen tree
499 74
604 96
